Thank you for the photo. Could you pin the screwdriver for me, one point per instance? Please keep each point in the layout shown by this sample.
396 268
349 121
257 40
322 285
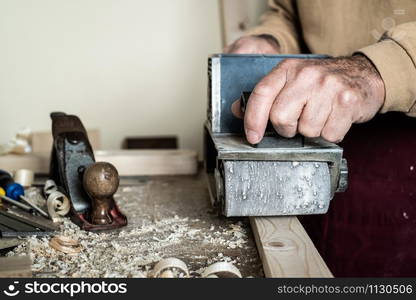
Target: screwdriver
16 192
14 202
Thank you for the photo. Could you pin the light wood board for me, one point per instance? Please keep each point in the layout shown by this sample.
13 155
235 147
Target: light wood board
286 249
127 162
151 162
15 266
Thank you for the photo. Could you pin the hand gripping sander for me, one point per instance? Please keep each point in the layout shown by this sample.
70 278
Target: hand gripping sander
279 176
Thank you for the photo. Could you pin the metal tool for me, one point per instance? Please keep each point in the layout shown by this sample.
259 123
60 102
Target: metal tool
14 226
6 243
279 176
89 185
16 191
14 202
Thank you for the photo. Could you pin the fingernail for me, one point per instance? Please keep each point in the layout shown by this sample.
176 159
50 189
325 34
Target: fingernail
252 136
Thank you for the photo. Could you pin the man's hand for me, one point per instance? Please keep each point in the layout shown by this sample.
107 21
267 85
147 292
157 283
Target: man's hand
313 97
263 44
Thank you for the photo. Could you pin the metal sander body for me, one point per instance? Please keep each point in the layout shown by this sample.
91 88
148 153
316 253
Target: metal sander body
279 176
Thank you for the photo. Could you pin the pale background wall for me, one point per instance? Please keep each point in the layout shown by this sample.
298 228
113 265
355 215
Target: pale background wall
127 67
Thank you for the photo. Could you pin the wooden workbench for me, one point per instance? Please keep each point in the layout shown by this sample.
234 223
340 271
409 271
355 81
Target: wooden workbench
171 216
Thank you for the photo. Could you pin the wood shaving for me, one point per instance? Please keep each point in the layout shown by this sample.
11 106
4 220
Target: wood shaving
169 264
155 231
221 269
65 245
58 205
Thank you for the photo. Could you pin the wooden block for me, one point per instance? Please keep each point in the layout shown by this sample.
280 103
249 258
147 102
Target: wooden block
151 162
127 162
41 141
38 163
286 249
15 266
6 243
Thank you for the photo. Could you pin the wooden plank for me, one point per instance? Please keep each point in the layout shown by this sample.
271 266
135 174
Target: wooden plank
37 162
151 162
15 266
286 249
127 162
6 243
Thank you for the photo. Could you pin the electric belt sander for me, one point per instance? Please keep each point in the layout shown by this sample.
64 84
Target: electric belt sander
279 176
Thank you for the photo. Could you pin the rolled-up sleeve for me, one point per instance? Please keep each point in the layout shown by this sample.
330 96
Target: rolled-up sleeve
280 22
394 56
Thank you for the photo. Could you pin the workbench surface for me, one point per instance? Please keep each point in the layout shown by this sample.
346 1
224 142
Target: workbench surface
168 217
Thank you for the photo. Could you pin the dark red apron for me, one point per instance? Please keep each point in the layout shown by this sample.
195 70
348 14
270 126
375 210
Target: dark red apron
370 230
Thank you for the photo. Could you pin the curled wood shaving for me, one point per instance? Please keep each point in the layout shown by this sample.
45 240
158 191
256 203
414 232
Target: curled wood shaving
167 274
58 205
169 263
65 245
221 269
50 186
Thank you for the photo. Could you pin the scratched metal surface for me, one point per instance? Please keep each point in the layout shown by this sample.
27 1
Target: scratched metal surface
267 188
76 156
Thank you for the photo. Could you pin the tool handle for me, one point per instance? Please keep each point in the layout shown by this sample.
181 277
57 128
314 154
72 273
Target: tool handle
13 189
5 179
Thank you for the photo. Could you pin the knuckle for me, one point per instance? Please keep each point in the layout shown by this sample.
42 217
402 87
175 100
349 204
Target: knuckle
280 119
309 130
283 125
331 80
309 72
263 89
286 131
288 134
331 137
275 119
348 98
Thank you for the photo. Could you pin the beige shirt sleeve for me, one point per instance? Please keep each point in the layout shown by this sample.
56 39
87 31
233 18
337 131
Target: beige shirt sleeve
280 22
395 58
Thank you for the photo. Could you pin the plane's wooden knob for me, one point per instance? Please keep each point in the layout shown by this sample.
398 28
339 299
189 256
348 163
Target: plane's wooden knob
101 181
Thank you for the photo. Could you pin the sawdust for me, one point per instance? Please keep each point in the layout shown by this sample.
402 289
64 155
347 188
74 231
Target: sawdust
133 251
168 217
127 253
